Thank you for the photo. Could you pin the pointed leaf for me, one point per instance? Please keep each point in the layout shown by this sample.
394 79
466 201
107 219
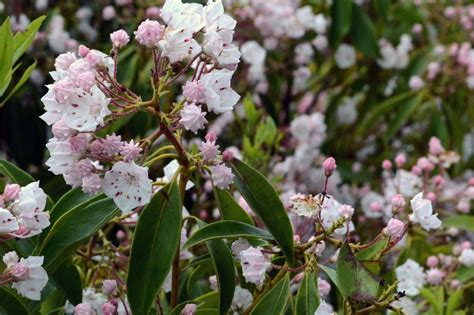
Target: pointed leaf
225 271
461 221
11 303
230 209
67 280
24 38
71 229
225 229
340 21
154 247
353 279
6 55
363 32
275 301
266 203
307 299
25 76
16 174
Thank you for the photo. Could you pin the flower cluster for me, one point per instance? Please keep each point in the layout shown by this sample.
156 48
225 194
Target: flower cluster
22 212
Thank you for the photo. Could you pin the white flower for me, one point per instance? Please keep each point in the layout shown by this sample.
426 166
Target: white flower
407 305
373 205
182 15
320 23
324 309
406 183
253 53
179 44
29 209
242 299
170 170
94 299
34 277
128 185
254 265
220 97
87 110
53 108
8 222
62 156
411 277
467 257
239 245
345 56
423 213
306 206
347 111
330 213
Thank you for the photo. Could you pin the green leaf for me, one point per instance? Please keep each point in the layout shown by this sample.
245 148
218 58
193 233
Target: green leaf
275 301
67 280
154 247
6 55
373 251
24 38
72 228
331 273
433 300
266 133
266 203
230 209
16 174
225 270
340 21
465 273
225 229
402 115
353 279
462 221
454 301
25 76
307 299
379 110
363 32
10 303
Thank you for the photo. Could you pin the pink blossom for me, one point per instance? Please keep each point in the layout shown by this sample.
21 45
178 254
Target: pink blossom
416 170
386 165
329 166
222 176
195 92
152 12
108 13
109 308
227 155
398 202
119 39
416 83
394 228
431 196
254 265
63 90
63 61
83 51
91 184
112 144
434 276
109 286
432 261
79 142
209 150
11 192
436 148
62 131
149 33
85 80
346 211
192 117
400 159
83 309
189 309
323 287
130 151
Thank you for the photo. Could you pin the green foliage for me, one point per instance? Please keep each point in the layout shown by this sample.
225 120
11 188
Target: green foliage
230 209
307 298
11 304
266 203
275 300
154 247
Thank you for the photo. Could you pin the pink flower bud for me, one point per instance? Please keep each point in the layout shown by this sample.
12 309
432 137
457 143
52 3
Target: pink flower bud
119 39
93 59
394 228
439 180
109 286
120 235
20 272
149 33
203 215
83 309
432 261
416 83
466 245
329 166
189 309
222 176
109 308
63 90
296 238
417 28
298 278
228 155
62 131
400 160
463 206
153 13
11 192
323 287
386 165
398 202
454 284
346 211
86 80
431 196
416 170
434 276
195 92
211 136
83 51
108 13
435 146
471 182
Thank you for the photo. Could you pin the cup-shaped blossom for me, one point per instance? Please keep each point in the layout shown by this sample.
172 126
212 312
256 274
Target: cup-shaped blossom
149 33
254 265
119 39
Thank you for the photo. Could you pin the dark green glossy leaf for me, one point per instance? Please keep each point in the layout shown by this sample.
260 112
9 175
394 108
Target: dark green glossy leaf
225 270
275 300
266 203
225 229
10 303
230 209
340 21
363 32
307 299
16 174
353 279
154 247
72 228
67 280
